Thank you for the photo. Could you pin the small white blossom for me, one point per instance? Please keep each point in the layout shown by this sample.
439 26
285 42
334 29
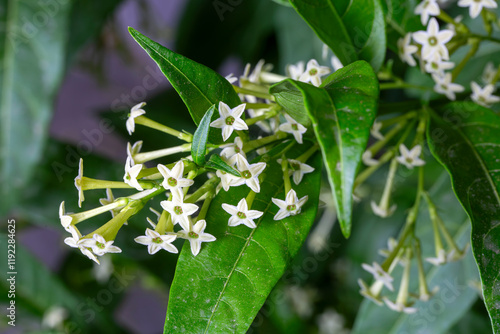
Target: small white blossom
78 183
314 72
241 215
65 219
293 127
406 50
155 241
172 179
229 120
379 274
99 245
476 6
439 259
108 200
483 96
230 150
291 206
249 173
382 211
196 236
179 210
298 169
410 158
368 293
227 180
54 317
131 173
336 63
488 73
231 78
295 71
75 237
136 111
375 131
433 41
445 86
133 150
437 65
368 160
399 307
391 244
427 8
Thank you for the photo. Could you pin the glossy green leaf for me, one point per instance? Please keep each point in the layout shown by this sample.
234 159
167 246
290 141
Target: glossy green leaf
224 286
31 67
342 112
290 98
465 138
199 144
400 18
198 86
352 29
216 162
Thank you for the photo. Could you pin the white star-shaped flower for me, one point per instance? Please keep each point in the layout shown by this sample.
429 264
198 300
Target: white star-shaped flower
249 173
295 71
400 307
379 274
99 245
297 169
227 180
433 41
230 150
231 78
427 8
291 206
375 131
155 241
78 183
179 210
74 239
483 96
410 158
381 211
314 72
366 292
293 127
368 160
406 50
445 86
241 215
131 173
173 179
437 65
136 111
439 259
65 219
133 150
229 120
476 6
488 73
108 200
196 236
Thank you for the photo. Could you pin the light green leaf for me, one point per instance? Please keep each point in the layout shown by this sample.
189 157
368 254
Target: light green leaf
199 145
342 112
198 86
464 137
352 29
31 67
224 286
216 162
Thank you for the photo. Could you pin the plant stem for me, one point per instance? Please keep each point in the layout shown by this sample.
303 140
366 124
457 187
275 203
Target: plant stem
456 71
143 120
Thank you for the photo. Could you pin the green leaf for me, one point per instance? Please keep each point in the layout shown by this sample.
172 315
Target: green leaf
464 138
31 68
216 162
199 145
198 86
342 112
224 286
290 98
352 29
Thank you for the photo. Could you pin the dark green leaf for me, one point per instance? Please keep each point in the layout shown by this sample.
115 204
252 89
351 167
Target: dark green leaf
342 112
352 29
31 59
216 162
199 144
224 286
198 86
464 137
290 98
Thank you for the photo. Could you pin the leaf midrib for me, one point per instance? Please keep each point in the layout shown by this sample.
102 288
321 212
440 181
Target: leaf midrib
280 187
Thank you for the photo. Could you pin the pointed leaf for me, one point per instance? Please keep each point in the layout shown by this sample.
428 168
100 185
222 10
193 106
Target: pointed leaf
290 98
216 162
198 86
225 285
464 137
343 110
352 29
199 144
